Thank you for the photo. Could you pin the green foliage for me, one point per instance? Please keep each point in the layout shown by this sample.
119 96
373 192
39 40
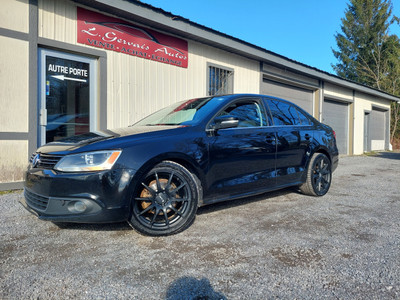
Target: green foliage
8 192
366 49
367 53
395 125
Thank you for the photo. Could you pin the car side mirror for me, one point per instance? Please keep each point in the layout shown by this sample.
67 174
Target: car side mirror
224 122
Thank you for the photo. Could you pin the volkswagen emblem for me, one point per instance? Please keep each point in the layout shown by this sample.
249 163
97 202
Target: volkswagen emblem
36 160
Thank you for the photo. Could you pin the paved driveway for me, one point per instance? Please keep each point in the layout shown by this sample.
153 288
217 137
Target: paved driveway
277 245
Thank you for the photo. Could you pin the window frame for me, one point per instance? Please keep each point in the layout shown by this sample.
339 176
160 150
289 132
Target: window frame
257 100
43 53
230 80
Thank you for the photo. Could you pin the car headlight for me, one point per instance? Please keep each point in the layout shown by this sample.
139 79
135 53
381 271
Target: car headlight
89 161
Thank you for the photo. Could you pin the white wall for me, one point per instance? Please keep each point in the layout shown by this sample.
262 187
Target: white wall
137 87
14 80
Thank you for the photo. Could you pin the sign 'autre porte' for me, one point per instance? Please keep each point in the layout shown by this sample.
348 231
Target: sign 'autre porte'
110 33
67 70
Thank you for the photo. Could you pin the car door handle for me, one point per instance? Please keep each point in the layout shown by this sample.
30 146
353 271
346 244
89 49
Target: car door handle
307 136
270 139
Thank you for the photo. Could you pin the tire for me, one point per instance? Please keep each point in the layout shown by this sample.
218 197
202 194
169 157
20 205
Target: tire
165 200
319 176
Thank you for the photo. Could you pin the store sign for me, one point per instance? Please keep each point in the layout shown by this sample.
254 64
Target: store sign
110 33
64 72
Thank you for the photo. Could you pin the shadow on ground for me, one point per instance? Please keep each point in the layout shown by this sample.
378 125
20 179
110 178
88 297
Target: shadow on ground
94 227
243 201
192 289
389 155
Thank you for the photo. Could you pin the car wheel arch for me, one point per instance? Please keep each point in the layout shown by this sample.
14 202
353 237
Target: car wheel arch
320 150
316 150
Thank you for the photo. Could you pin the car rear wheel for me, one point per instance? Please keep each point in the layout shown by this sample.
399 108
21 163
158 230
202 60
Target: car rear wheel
165 201
319 176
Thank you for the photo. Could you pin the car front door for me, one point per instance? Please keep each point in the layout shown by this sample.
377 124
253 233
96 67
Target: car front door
242 159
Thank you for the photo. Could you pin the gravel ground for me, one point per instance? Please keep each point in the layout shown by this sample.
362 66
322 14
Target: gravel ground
345 245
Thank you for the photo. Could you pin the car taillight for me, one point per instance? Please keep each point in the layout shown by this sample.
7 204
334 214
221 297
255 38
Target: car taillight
334 134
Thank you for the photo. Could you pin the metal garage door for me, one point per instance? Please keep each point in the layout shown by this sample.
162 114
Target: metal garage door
377 129
336 115
299 96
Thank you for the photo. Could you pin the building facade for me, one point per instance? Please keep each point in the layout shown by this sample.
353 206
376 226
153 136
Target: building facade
69 67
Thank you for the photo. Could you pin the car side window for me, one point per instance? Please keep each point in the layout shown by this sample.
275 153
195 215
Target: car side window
283 113
250 114
304 119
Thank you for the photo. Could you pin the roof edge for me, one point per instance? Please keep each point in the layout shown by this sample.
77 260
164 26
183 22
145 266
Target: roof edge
164 20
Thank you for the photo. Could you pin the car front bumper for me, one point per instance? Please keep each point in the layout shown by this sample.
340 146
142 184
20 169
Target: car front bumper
96 197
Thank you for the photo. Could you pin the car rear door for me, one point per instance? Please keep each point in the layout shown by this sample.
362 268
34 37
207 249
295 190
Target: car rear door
294 135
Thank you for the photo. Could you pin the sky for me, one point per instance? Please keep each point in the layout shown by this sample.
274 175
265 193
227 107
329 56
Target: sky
302 30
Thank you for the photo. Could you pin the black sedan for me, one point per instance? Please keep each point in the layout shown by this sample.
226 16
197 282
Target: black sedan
156 173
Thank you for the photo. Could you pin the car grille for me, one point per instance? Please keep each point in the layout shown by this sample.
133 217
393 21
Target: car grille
36 201
45 161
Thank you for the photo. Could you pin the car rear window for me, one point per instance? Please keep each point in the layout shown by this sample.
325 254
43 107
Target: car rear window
283 113
304 119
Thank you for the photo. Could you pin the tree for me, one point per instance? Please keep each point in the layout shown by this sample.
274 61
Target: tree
367 53
395 125
365 46
395 107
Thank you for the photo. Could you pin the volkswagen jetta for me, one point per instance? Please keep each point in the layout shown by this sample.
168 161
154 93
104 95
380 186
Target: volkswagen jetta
157 172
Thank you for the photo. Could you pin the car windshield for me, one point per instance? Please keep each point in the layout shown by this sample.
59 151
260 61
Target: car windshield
181 113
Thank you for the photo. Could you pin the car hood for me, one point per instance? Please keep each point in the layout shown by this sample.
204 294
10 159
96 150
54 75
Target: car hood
78 141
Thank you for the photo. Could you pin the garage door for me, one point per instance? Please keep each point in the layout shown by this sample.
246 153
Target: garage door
377 129
336 115
299 96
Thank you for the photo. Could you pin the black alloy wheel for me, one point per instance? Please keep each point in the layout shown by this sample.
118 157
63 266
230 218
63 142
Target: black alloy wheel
165 202
319 176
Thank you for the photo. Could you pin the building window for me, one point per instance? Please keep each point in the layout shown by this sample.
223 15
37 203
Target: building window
220 81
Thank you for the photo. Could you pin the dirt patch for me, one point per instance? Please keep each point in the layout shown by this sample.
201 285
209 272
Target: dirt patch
296 257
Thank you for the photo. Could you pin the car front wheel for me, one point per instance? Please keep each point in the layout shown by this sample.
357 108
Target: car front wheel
165 201
319 176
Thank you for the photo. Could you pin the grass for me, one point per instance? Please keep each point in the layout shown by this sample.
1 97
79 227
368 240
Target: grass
371 153
9 192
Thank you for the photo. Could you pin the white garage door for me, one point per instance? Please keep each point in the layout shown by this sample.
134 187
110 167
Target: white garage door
336 115
299 96
377 129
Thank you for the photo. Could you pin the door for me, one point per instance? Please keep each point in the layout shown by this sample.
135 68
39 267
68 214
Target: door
299 96
367 142
293 137
336 115
242 159
378 129
67 94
